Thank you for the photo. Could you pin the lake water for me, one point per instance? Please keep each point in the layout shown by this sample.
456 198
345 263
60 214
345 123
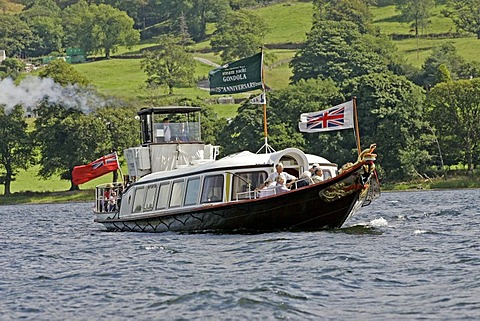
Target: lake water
408 256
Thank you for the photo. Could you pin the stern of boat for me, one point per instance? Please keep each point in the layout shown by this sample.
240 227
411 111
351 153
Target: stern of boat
107 200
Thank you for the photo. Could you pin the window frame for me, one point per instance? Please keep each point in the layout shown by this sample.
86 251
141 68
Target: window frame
147 194
198 190
136 202
181 193
168 186
206 179
235 179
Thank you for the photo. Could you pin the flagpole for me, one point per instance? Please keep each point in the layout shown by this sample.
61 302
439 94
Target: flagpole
118 164
265 129
356 130
265 126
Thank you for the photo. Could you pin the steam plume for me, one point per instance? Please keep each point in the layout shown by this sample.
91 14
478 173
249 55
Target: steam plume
32 90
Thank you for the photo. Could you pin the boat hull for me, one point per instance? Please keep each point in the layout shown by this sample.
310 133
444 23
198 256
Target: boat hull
320 206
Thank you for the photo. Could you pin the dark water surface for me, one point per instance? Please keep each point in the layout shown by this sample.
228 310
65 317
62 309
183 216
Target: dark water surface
409 256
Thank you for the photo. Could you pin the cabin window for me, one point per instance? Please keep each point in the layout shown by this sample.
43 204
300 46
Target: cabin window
212 189
177 193
138 199
162 199
150 198
326 174
244 182
193 189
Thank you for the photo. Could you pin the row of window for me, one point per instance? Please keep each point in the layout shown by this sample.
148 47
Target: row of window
187 192
176 193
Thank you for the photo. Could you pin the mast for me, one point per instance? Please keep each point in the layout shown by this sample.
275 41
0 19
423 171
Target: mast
268 148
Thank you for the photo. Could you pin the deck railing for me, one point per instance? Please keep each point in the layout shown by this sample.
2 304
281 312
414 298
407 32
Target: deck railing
267 191
107 197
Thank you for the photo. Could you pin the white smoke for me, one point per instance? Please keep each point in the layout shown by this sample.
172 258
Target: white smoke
33 90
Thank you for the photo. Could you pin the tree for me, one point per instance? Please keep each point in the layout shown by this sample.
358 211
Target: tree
446 55
121 125
169 66
418 12
196 12
14 67
99 28
122 128
391 113
356 11
465 15
44 19
63 73
67 138
244 132
455 114
337 50
16 146
47 36
239 35
112 28
15 34
78 23
136 9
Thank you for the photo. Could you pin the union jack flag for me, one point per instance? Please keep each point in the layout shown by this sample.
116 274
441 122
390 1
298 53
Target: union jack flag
334 118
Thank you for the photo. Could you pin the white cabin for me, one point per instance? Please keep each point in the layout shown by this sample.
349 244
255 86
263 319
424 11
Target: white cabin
168 143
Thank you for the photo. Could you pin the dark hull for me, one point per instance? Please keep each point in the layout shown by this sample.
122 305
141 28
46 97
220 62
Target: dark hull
320 206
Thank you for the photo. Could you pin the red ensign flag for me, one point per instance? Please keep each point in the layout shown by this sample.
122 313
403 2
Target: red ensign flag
84 173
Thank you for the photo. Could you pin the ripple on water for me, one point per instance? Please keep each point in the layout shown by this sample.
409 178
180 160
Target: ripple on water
408 256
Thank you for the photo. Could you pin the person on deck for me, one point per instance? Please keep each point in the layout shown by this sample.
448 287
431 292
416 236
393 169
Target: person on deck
281 187
313 168
271 180
167 134
112 201
317 176
305 179
106 197
183 133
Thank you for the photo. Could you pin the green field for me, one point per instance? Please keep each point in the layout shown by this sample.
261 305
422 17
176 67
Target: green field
287 22
387 19
416 51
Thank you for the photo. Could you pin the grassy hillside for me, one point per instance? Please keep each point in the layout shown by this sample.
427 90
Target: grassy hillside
287 22
417 50
388 20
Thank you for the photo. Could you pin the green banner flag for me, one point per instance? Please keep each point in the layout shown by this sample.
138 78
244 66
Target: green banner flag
238 76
